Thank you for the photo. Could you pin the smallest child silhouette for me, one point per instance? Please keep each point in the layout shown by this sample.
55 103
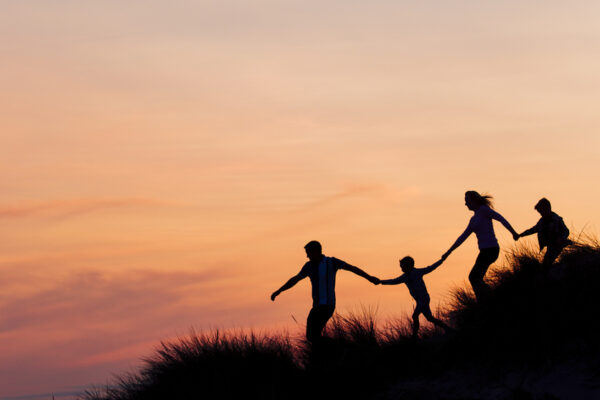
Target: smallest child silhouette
413 278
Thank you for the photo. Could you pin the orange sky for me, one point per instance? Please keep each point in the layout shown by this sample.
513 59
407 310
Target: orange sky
164 163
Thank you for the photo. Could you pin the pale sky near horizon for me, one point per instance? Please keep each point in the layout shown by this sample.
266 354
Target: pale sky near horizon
164 163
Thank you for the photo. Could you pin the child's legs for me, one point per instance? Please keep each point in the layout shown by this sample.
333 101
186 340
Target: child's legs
415 318
552 253
427 312
429 315
420 308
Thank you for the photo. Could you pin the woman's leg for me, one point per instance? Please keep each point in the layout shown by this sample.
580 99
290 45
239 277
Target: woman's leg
485 258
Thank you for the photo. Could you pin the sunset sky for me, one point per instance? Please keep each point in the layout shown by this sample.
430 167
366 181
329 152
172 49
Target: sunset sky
163 163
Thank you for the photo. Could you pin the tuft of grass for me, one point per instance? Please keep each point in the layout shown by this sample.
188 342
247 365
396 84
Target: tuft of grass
212 365
534 313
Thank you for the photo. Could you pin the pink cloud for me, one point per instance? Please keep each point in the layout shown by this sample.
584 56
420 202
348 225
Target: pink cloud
93 298
82 325
368 190
72 207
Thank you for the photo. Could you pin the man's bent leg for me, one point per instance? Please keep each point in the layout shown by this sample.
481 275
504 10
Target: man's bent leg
317 319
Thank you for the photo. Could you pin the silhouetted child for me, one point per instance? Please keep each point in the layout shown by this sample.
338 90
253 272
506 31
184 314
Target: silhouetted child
551 231
413 278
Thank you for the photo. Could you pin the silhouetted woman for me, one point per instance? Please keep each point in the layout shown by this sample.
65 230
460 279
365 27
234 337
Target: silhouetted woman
481 224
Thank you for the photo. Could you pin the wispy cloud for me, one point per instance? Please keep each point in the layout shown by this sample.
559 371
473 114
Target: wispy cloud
373 190
73 323
93 298
72 207
350 191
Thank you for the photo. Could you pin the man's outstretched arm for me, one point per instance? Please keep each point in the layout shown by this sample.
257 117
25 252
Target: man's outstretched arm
360 272
289 284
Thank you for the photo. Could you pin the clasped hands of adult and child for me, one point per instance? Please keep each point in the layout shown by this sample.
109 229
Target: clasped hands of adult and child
374 280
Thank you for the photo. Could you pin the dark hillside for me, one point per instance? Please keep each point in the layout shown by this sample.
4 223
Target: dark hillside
535 337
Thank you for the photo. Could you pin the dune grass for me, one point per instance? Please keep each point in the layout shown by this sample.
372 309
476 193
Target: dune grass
535 316
211 365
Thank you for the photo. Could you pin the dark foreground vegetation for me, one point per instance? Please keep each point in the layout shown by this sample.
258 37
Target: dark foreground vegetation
536 337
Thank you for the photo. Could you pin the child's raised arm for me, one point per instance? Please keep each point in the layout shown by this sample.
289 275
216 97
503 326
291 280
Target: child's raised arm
531 231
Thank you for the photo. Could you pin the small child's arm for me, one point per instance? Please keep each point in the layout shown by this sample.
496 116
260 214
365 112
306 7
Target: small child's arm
395 281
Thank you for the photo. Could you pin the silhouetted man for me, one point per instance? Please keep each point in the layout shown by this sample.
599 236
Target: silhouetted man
551 231
321 270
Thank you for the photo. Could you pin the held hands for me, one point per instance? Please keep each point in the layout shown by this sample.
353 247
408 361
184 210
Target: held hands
374 280
445 255
516 236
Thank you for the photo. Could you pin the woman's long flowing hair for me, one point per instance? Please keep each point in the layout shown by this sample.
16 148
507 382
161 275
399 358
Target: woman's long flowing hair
482 200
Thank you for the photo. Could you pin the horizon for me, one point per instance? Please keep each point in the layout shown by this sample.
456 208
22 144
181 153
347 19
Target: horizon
165 164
